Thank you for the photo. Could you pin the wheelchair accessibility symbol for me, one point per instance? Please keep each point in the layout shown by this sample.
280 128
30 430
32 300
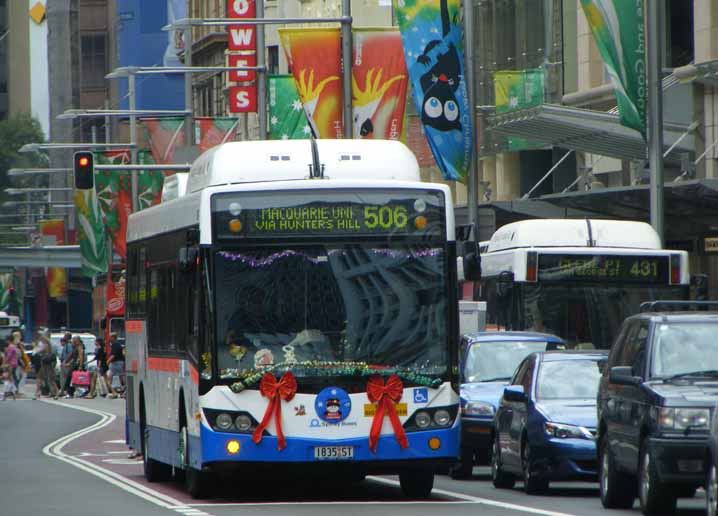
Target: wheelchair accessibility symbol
421 395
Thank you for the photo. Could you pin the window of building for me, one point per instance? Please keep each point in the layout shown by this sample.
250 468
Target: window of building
94 60
273 59
679 33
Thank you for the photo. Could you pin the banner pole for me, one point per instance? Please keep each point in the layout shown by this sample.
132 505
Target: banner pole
347 67
261 75
655 115
472 181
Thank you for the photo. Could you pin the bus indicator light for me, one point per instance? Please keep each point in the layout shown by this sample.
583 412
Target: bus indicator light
233 447
420 222
675 269
235 225
434 443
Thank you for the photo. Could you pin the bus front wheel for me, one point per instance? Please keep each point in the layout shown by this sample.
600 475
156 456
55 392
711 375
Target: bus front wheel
417 484
197 483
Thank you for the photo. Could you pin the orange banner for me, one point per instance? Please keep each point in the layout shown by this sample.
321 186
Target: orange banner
379 83
314 56
53 233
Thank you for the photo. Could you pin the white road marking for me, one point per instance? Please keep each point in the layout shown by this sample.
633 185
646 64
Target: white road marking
356 502
54 449
477 500
116 441
132 462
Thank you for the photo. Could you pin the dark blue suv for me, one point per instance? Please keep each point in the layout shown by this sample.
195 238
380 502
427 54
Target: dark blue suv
487 361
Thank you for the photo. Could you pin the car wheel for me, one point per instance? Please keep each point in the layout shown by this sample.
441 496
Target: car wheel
712 490
499 477
655 497
615 486
465 467
197 483
416 484
532 483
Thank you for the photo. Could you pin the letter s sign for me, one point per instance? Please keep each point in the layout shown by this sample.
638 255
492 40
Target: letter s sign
243 99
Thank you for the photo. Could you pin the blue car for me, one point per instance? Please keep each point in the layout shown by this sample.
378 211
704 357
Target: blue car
546 421
487 360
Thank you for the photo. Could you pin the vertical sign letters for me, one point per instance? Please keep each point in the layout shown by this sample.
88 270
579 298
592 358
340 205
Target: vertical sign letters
242 38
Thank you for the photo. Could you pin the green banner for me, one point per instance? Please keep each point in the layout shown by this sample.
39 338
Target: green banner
90 233
516 90
287 120
6 280
150 182
619 32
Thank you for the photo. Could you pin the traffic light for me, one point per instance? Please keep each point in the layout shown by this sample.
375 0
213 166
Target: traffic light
84 169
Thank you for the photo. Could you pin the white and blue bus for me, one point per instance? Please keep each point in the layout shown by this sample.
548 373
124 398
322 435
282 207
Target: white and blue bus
578 279
296 307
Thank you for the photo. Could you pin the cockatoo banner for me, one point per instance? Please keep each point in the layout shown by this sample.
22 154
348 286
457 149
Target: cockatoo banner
379 83
314 55
90 233
53 233
432 34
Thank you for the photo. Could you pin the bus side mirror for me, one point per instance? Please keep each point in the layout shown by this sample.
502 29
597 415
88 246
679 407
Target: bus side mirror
188 258
471 261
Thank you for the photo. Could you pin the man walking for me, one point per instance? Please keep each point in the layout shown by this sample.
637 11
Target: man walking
65 351
115 364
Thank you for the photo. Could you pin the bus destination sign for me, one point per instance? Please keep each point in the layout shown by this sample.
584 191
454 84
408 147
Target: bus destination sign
418 215
604 268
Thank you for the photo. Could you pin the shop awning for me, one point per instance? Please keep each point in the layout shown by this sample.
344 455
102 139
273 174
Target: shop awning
585 130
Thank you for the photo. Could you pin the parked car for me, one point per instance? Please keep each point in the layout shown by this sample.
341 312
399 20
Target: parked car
654 408
546 421
487 362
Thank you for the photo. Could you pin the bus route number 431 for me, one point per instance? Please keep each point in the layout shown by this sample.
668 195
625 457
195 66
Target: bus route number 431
333 452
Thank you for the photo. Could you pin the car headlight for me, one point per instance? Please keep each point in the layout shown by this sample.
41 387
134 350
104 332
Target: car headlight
479 408
683 418
561 431
224 421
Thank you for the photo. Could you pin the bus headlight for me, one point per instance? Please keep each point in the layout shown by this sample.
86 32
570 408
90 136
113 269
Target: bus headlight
243 423
422 419
442 417
223 421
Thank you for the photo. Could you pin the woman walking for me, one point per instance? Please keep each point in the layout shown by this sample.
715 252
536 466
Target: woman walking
74 362
46 372
23 362
98 382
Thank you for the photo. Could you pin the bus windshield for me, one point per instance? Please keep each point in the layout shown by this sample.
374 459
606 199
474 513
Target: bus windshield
586 315
308 306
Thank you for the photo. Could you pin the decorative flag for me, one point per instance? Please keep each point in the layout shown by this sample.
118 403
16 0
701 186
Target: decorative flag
287 120
114 193
150 182
519 90
213 131
431 32
6 281
165 136
314 56
91 233
379 84
618 29
53 233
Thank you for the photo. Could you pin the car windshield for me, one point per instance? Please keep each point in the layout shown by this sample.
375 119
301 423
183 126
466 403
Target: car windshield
488 361
569 379
383 306
684 348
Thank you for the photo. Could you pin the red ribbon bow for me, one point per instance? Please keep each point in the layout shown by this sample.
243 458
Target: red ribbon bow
386 396
276 391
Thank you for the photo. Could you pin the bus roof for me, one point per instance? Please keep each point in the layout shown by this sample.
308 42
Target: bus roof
259 161
574 233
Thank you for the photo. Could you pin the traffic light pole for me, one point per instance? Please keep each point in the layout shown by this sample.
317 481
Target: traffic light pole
134 178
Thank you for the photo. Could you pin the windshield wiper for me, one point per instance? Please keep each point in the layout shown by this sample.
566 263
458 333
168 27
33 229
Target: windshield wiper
497 379
713 373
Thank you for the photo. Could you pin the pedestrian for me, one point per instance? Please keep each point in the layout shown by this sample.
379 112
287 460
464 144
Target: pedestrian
23 362
9 387
115 364
98 382
12 360
74 362
46 372
65 351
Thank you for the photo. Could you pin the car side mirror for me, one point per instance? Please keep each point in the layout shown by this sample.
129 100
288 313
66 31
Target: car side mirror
623 375
515 393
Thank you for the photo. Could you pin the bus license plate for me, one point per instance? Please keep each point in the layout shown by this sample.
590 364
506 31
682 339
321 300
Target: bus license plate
333 452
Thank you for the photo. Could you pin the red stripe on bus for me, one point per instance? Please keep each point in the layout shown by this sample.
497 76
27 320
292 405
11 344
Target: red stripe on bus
170 365
194 374
133 326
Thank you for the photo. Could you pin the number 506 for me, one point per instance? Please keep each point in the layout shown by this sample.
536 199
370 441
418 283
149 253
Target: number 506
385 217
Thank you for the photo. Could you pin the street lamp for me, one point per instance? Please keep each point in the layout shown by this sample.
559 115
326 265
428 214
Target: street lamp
18 191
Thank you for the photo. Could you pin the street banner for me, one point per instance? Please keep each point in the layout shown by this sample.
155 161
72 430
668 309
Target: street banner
287 120
619 32
519 89
91 233
165 136
216 130
6 280
53 233
379 83
149 182
432 36
314 56
114 195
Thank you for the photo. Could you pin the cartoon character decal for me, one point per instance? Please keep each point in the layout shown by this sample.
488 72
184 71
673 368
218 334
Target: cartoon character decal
333 405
